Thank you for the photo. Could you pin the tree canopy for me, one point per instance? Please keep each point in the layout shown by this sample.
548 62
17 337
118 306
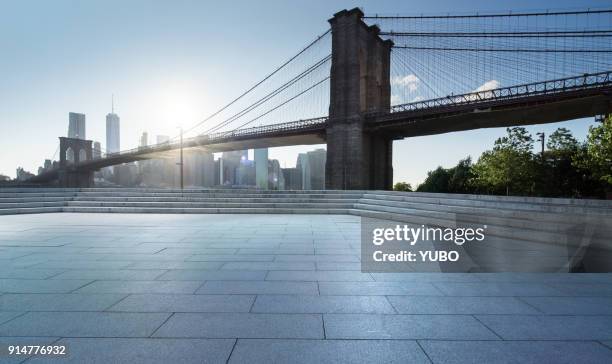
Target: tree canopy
567 168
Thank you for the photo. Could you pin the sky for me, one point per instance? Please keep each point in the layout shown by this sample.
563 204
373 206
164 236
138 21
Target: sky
171 63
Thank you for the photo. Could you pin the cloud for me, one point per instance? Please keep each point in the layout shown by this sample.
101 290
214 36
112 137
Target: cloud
489 85
416 99
410 81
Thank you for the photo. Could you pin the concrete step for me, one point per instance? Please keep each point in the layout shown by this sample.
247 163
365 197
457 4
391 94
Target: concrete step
36 194
37 190
516 218
429 218
30 210
216 195
33 199
18 205
182 204
251 210
218 200
498 198
216 190
496 204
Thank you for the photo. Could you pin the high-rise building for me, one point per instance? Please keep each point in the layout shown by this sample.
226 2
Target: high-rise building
76 126
245 173
144 139
113 133
293 178
97 150
277 179
261 168
303 164
317 159
199 168
312 165
229 163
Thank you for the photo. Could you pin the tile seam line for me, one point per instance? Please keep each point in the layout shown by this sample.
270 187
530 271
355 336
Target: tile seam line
487 327
418 342
162 324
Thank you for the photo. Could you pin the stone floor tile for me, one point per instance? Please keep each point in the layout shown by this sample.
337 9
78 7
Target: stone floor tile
242 325
321 304
258 287
184 303
326 351
84 324
514 327
150 351
439 327
511 352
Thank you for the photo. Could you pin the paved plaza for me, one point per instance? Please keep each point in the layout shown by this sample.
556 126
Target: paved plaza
177 288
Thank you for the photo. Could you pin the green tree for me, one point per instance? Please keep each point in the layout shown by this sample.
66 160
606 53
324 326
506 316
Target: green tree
599 152
461 176
436 181
562 141
509 168
557 175
402 186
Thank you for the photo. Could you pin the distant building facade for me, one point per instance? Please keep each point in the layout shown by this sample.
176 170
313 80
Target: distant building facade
76 126
97 150
261 168
144 140
113 134
293 178
312 167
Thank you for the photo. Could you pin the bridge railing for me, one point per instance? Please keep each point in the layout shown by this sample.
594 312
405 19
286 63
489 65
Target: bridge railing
258 130
297 125
586 81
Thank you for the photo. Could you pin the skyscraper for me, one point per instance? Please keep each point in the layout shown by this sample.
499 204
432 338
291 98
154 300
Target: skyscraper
312 165
144 139
317 159
97 150
261 168
113 140
76 125
304 165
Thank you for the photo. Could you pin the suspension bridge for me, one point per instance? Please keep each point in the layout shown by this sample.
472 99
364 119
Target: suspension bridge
373 79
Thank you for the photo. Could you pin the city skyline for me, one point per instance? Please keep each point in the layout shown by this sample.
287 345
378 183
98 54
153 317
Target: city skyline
155 90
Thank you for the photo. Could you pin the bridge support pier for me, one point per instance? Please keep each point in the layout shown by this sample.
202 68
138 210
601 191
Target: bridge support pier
70 179
359 84
73 151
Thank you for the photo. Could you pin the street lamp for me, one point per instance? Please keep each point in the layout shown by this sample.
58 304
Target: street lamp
541 139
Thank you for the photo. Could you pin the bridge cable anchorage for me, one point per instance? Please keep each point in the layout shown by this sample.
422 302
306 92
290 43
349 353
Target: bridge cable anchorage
259 83
268 96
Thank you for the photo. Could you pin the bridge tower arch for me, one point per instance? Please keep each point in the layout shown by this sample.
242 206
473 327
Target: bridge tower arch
359 85
81 150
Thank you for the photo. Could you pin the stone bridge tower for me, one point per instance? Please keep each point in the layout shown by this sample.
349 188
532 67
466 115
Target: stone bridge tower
360 84
73 151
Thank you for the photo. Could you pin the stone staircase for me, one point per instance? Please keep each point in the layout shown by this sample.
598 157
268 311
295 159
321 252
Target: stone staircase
138 200
530 227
